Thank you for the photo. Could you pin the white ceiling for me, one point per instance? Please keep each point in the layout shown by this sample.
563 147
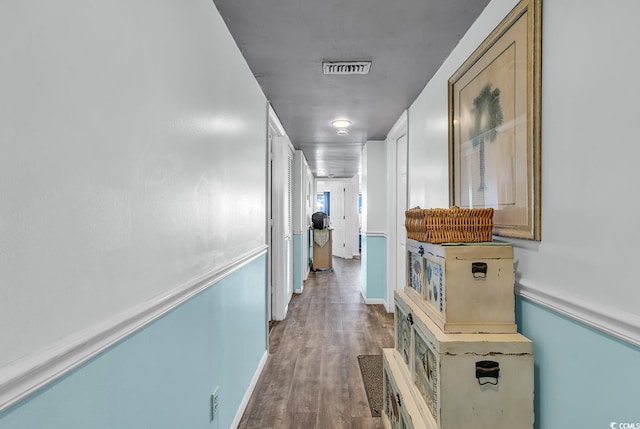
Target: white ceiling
286 41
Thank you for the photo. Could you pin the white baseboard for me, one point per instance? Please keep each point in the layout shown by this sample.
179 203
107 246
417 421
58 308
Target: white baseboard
369 301
249 392
25 376
619 324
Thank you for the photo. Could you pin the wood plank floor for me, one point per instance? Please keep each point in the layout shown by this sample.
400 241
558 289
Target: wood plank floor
312 378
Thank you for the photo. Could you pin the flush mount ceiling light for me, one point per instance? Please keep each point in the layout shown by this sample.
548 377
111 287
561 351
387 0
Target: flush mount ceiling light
341 123
343 132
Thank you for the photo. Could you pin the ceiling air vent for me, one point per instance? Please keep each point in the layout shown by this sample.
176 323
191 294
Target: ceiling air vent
346 67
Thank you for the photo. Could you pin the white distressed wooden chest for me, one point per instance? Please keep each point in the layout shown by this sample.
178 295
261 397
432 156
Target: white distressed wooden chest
484 381
463 288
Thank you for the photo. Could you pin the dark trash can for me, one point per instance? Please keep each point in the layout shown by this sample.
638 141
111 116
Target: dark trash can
320 220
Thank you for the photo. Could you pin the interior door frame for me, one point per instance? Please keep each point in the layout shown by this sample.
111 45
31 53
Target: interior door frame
399 129
269 220
351 224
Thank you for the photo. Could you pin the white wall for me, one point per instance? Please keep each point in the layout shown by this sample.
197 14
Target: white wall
585 265
374 187
132 161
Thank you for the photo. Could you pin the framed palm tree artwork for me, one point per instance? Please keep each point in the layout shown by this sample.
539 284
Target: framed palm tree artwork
494 125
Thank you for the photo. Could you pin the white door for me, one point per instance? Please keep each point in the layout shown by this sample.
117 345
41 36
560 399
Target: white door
338 222
289 225
401 206
282 237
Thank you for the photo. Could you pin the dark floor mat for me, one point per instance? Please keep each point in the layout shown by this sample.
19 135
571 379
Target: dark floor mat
371 370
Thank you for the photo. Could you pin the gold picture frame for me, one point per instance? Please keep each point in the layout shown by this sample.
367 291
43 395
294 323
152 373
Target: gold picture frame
494 125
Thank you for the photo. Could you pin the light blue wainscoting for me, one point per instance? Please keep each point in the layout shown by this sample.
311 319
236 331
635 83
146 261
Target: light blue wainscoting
298 266
364 261
583 378
374 268
163 375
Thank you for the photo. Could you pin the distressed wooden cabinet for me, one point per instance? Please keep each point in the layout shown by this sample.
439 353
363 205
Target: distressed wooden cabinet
445 380
463 287
322 250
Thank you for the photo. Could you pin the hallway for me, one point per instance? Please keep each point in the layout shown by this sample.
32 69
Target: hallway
312 378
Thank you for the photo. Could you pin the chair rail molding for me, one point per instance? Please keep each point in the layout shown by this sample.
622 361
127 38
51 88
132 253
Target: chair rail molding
374 234
27 375
619 324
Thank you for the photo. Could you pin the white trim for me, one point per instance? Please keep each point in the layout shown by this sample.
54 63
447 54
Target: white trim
274 123
370 301
399 128
249 392
302 274
25 376
307 269
374 234
619 324
269 220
